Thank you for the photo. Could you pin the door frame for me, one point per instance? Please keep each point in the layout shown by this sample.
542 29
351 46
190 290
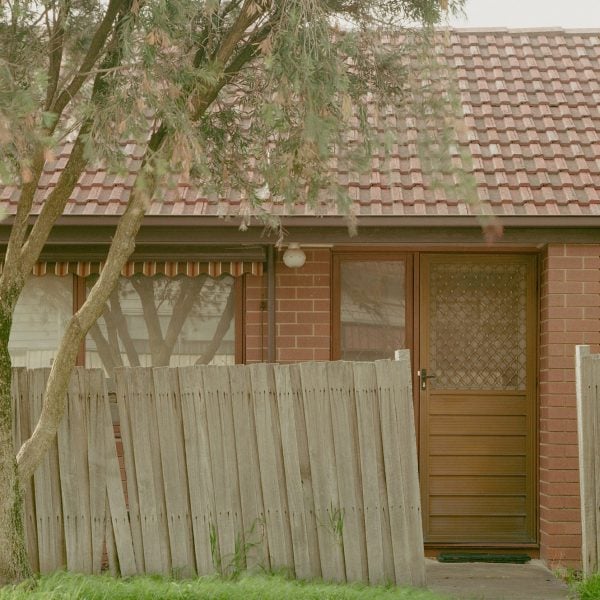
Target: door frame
531 393
412 254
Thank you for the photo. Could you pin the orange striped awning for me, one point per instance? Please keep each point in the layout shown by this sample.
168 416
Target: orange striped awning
151 268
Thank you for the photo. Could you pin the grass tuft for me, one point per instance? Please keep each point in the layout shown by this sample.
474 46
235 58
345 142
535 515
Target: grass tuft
589 589
72 586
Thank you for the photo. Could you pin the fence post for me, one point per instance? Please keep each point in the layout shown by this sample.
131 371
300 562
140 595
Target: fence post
586 426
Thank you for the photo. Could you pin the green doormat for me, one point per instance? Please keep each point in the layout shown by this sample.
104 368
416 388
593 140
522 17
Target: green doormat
460 557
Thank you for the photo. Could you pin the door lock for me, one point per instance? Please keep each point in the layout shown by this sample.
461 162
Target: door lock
423 377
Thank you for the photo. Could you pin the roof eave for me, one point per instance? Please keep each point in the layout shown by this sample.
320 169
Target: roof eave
337 221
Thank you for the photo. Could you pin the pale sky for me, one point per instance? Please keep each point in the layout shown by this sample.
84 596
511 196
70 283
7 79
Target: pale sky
531 13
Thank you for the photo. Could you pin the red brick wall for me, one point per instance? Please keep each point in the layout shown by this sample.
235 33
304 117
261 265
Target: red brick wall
303 309
570 315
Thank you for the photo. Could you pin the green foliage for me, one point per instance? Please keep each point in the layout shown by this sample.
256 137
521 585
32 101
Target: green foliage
215 551
268 99
588 589
232 566
441 138
65 586
336 522
248 96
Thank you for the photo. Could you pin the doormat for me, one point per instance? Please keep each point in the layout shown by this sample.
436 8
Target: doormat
461 557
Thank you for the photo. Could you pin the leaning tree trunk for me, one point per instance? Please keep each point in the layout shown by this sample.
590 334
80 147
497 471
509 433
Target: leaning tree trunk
54 401
14 565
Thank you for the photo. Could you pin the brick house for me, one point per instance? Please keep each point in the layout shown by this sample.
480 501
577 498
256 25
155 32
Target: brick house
491 326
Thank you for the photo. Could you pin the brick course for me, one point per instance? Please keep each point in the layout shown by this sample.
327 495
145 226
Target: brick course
304 296
303 310
569 315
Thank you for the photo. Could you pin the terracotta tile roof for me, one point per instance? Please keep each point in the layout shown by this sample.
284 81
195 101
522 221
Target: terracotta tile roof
531 109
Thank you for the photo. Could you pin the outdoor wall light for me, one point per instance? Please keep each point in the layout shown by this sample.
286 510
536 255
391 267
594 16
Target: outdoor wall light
294 256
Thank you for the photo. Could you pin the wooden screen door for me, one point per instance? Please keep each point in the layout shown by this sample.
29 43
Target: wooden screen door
477 399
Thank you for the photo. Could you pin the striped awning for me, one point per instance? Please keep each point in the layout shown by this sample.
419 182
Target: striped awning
151 268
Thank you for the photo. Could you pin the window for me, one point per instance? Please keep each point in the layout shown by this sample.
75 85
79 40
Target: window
162 321
371 293
40 319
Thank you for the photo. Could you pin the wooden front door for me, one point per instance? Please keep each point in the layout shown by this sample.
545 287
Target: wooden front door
477 399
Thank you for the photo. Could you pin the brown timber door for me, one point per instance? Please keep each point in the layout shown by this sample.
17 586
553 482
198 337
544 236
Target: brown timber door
477 398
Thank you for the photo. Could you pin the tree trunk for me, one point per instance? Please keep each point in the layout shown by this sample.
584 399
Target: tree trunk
53 405
14 565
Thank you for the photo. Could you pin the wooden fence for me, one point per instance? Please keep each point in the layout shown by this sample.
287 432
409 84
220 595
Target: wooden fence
311 468
74 501
587 372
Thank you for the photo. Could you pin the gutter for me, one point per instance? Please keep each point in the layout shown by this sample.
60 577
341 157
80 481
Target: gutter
186 221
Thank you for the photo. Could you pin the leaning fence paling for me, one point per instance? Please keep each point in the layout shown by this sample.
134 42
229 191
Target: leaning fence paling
310 468
587 369
75 499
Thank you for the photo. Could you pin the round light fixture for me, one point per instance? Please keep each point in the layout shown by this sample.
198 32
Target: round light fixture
294 256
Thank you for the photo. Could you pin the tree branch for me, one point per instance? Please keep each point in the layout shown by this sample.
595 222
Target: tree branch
247 16
89 60
55 51
55 203
12 274
236 64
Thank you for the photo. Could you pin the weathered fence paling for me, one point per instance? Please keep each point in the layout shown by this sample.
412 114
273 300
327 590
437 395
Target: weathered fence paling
587 372
309 467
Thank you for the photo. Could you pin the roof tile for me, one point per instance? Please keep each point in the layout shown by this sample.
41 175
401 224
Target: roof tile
530 107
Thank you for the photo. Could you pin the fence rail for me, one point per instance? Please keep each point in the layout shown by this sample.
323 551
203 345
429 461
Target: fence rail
587 373
310 468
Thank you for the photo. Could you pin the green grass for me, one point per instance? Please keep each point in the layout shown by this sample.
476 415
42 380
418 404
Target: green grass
589 589
71 586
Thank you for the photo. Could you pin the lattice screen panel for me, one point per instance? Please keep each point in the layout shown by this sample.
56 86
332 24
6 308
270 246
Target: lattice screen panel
477 321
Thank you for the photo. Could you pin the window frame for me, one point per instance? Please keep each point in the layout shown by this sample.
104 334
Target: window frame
341 255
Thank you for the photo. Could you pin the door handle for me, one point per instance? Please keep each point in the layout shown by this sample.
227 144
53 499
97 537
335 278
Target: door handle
423 377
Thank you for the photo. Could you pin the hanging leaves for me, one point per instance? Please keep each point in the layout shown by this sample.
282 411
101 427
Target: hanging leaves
250 94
